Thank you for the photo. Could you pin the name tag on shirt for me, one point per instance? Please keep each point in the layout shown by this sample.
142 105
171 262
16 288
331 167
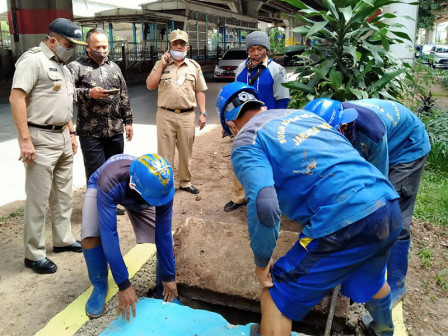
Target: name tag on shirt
53 69
181 80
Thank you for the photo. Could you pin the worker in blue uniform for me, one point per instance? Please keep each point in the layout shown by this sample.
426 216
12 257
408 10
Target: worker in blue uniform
267 76
293 162
144 186
394 140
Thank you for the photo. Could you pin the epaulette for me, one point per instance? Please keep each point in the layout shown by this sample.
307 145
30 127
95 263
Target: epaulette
196 64
35 50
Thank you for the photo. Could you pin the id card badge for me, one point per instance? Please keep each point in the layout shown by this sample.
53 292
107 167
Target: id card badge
181 80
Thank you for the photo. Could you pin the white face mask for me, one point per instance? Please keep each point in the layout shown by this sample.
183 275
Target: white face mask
64 54
178 55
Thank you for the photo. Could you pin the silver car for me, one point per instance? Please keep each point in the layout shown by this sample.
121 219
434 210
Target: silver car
438 57
228 64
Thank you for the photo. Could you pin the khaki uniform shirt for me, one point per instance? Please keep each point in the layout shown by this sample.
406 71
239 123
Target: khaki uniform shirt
48 84
179 83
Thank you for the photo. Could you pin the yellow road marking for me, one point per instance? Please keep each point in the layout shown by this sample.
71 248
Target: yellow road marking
397 316
69 320
73 317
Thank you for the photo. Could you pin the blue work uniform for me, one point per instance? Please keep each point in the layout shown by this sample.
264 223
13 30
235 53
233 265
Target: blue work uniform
401 138
394 140
269 84
111 181
293 162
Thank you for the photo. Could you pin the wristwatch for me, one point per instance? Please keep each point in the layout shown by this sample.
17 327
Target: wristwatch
203 113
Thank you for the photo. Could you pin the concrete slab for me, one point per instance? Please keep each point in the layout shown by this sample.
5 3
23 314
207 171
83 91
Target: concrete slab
215 265
160 318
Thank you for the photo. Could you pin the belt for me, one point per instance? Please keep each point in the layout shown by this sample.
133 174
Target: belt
49 127
179 110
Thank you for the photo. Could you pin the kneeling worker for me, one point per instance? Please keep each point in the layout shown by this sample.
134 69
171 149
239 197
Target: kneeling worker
293 162
145 187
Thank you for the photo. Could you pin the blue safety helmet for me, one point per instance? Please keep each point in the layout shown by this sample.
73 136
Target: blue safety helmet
332 111
152 177
231 99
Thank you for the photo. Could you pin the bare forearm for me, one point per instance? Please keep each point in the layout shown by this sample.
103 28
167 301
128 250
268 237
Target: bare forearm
19 114
200 97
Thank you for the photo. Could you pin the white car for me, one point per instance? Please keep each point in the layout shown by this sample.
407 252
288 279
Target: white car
228 64
438 57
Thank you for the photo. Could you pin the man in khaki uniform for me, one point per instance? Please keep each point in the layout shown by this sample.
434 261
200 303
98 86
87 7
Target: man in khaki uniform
181 84
42 106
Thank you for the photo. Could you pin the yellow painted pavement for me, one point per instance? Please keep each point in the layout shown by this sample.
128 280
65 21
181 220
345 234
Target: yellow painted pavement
69 320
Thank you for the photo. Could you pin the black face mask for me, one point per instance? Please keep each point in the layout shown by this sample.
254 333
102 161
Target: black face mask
98 56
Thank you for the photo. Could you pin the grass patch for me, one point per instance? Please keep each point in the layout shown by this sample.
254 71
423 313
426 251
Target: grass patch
432 198
20 212
427 256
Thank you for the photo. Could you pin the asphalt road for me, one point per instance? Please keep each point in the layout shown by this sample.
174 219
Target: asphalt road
143 102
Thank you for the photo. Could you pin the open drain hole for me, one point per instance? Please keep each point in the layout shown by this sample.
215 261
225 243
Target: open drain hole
238 310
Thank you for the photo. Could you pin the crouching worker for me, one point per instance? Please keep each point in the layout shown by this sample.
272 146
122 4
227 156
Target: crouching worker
145 187
293 162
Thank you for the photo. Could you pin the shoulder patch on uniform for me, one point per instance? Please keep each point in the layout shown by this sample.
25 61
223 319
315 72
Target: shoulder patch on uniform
196 64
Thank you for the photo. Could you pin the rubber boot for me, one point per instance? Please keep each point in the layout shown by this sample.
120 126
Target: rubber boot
381 312
97 268
159 285
397 267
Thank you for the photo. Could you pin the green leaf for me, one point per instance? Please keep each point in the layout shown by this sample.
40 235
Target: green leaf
317 27
402 35
386 78
336 78
352 51
347 12
331 7
299 86
301 30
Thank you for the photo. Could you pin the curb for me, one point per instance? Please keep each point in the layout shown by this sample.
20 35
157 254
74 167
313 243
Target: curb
68 321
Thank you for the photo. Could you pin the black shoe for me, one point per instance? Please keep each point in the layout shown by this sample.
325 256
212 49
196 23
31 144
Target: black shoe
191 189
75 247
231 206
41 266
120 211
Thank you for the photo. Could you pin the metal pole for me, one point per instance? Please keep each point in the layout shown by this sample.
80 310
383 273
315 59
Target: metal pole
111 38
334 300
224 36
134 38
197 34
156 33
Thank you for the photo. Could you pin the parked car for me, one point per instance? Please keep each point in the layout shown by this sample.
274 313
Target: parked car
438 56
422 52
294 58
228 64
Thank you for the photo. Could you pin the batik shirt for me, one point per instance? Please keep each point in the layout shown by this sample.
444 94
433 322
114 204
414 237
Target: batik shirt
100 118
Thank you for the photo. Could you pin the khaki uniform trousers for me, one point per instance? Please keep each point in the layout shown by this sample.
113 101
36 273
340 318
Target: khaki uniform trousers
176 130
49 178
238 195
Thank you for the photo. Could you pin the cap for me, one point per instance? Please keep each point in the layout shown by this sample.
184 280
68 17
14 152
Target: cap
178 35
68 29
348 115
332 111
257 38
